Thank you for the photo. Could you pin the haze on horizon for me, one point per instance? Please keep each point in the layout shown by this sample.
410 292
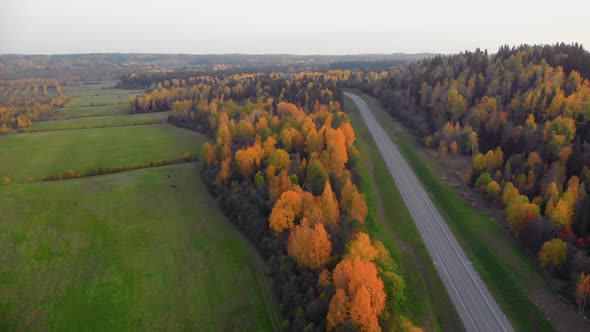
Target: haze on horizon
302 27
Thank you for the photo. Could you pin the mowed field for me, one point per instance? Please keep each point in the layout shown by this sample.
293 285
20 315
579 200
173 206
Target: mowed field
100 121
94 100
136 250
33 155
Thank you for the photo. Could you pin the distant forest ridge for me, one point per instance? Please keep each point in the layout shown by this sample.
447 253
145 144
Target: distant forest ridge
105 65
108 66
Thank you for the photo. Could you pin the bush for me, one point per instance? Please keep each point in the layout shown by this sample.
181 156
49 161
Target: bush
483 181
71 174
5 180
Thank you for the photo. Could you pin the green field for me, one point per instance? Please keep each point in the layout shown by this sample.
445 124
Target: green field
100 96
136 250
94 100
88 111
99 121
33 155
428 304
503 267
124 251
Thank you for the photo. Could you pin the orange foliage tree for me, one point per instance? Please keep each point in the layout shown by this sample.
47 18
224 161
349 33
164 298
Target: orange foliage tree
360 282
285 211
330 210
310 245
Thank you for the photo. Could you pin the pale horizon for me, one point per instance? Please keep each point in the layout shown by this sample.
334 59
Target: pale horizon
302 28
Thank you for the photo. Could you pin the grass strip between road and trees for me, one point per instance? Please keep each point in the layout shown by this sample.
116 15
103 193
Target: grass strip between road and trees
475 231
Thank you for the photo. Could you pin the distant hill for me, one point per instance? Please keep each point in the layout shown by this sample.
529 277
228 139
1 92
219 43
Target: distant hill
112 65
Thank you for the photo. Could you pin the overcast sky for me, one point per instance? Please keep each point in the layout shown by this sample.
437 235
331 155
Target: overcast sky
296 26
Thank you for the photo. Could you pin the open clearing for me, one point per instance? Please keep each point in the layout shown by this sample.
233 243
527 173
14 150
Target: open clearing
101 96
100 121
136 250
33 155
94 100
87 111
124 251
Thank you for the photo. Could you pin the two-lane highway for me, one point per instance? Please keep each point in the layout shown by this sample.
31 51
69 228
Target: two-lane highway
474 303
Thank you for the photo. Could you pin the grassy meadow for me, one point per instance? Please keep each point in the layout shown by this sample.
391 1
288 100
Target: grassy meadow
34 155
94 100
136 250
124 251
89 111
99 121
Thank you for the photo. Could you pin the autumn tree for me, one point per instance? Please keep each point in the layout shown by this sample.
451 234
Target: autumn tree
348 134
361 248
314 142
509 193
517 209
330 210
353 203
456 104
356 277
279 159
249 159
208 155
335 155
312 208
268 146
277 184
285 211
361 311
493 188
339 309
562 214
310 245
225 172
553 254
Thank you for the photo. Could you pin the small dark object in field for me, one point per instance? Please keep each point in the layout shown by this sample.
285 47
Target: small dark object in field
173 186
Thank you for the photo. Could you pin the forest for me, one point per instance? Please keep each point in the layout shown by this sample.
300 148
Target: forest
283 167
26 100
522 115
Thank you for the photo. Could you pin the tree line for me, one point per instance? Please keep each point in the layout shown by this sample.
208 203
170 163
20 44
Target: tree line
26 100
283 165
523 116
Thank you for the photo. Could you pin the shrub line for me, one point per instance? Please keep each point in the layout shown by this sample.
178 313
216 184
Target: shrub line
147 123
73 174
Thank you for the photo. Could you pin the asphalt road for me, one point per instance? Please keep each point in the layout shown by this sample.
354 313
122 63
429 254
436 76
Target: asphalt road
474 303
